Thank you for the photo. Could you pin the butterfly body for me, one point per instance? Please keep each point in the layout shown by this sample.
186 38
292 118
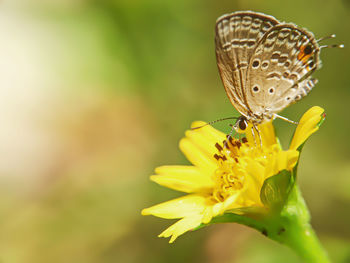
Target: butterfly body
265 65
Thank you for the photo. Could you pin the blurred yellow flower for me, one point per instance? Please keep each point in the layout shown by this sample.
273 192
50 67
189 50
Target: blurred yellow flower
226 176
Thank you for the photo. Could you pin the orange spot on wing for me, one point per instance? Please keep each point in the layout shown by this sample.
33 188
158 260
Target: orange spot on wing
302 56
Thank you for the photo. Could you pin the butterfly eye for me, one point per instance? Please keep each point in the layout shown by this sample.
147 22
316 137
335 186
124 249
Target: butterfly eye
242 124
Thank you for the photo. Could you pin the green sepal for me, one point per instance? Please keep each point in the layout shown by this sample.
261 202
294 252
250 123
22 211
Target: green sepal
295 206
322 119
276 189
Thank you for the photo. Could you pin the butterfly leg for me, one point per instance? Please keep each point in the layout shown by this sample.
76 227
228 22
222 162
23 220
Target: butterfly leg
259 135
285 119
255 131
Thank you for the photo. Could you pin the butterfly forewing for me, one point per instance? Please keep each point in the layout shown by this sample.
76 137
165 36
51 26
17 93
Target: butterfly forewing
236 38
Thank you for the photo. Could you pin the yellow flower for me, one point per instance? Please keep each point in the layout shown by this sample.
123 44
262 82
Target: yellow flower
227 175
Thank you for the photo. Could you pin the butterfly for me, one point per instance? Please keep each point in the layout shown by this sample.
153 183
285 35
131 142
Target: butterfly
265 65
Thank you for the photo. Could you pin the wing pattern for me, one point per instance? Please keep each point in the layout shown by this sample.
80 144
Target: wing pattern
265 65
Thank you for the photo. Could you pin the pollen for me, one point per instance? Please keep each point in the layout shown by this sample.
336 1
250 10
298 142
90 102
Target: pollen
229 177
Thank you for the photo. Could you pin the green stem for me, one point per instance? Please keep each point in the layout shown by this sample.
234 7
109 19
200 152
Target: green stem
292 228
303 240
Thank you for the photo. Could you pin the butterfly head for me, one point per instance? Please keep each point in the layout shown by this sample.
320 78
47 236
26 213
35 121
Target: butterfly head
241 124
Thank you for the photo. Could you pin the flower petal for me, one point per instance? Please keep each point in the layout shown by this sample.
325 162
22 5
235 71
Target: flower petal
210 133
267 132
201 141
264 131
250 192
197 157
229 203
308 124
205 138
185 206
181 226
286 160
188 179
255 171
207 215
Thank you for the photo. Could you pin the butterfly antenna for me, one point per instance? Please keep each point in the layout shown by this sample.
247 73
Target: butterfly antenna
326 37
212 122
332 46
329 46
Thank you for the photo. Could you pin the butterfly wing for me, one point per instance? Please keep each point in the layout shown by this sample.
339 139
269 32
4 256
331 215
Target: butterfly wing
279 70
236 38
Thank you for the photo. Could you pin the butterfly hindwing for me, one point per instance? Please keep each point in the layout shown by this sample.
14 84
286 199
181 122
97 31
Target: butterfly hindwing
280 67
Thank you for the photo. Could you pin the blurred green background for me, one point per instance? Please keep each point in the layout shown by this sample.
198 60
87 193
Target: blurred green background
96 93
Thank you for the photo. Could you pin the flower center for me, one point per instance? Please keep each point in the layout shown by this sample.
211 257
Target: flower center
229 177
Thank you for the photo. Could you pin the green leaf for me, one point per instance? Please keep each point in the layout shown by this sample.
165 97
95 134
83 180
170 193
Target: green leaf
275 190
